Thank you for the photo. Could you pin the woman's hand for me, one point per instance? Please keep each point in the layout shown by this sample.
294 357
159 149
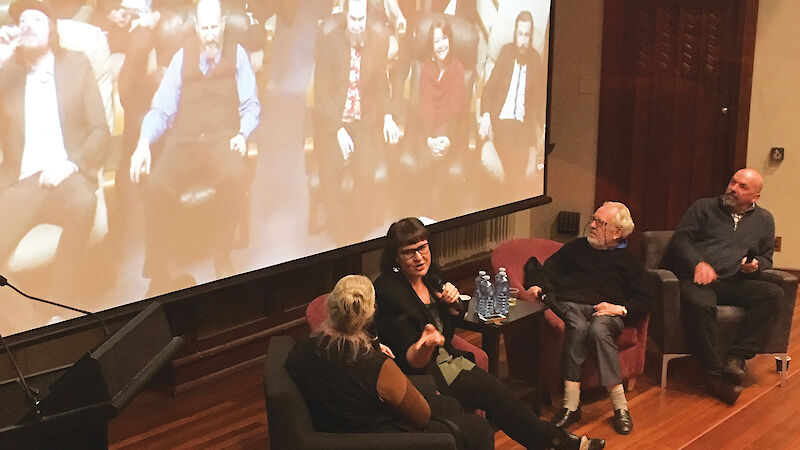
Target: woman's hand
449 293
430 338
386 350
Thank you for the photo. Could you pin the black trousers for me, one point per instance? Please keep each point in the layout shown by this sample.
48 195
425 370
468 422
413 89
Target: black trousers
699 304
71 205
169 226
476 432
585 332
476 389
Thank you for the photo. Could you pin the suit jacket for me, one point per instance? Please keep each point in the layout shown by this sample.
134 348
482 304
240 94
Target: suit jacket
332 69
496 89
83 120
401 316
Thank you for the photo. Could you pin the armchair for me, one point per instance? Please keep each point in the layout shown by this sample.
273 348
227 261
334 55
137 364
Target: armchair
667 329
545 371
290 425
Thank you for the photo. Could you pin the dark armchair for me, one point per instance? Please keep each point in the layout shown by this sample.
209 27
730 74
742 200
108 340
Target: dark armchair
290 425
666 327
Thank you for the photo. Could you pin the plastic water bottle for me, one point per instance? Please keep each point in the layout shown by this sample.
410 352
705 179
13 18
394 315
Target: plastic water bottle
501 286
485 305
478 279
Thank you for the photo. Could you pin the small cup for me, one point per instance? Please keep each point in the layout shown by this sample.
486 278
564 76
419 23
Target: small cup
512 296
779 363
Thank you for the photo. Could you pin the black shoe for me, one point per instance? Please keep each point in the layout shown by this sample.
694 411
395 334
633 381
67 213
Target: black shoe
733 369
566 440
724 390
623 422
564 417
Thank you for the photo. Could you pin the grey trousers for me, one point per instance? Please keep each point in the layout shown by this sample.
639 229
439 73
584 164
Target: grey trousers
585 332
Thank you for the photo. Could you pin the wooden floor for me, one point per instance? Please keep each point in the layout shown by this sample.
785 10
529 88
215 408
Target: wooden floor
230 412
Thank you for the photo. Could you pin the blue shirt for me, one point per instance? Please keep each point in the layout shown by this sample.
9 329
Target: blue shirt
166 99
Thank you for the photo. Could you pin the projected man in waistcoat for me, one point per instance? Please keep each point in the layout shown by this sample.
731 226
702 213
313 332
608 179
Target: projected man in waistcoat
207 106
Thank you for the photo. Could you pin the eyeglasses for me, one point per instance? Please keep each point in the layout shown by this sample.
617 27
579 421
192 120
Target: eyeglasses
409 253
600 223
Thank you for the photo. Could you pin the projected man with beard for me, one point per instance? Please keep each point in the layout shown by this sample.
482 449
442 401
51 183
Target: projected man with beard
508 105
52 130
209 101
352 119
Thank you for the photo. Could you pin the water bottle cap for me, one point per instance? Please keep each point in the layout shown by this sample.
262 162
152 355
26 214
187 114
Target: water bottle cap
486 277
481 272
502 269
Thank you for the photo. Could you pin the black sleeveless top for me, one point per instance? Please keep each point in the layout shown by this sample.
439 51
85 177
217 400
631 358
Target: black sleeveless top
341 397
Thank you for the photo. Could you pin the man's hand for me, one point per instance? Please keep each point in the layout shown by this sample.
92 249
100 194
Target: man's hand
608 309
140 161
449 293
535 291
430 338
485 126
9 41
386 350
239 144
704 273
391 132
438 146
54 174
345 143
748 267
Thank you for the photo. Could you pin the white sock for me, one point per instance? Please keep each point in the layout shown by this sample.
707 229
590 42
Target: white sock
572 395
617 394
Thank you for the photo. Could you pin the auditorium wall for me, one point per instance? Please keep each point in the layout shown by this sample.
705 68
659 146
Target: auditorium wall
774 114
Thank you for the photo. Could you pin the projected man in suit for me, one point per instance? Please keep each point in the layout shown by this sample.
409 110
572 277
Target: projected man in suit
209 102
53 129
509 104
352 118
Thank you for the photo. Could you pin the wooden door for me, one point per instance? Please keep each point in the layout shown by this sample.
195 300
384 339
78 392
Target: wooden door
674 103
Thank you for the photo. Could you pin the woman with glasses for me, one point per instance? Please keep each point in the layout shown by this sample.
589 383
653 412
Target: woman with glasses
352 386
415 317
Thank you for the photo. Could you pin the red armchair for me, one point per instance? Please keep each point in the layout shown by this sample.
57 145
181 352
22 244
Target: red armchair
317 312
632 342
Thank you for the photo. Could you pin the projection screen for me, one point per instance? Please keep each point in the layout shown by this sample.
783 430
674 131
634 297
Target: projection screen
353 116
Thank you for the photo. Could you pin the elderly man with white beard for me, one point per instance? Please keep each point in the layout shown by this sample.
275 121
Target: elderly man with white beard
596 286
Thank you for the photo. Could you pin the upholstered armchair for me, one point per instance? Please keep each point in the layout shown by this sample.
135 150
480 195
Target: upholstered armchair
667 328
545 370
317 312
290 425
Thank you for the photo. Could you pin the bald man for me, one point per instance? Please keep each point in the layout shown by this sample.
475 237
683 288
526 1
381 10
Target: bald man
719 247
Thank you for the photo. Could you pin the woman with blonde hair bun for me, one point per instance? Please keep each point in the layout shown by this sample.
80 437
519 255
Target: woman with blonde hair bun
351 386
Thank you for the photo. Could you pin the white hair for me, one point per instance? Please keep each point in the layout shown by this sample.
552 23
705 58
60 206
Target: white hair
622 218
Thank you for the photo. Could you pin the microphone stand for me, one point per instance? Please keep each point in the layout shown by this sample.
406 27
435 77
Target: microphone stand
30 393
4 282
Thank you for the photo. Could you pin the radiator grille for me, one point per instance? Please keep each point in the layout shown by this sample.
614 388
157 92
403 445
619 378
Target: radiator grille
466 242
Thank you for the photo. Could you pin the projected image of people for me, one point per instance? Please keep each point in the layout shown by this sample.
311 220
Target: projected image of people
352 120
208 99
53 130
510 115
149 146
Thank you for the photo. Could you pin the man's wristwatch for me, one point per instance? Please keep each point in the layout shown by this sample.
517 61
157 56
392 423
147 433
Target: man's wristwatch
624 311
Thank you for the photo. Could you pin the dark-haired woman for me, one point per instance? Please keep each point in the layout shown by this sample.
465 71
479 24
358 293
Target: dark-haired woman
416 319
351 386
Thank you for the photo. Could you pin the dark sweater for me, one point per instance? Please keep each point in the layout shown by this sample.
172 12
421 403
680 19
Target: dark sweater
579 273
706 233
